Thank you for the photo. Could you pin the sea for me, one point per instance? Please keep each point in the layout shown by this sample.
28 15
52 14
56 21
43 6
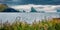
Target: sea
27 17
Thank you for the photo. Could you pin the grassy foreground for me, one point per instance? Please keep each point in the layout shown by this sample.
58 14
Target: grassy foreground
40 25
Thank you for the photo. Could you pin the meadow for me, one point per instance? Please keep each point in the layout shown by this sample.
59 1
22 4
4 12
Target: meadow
50 24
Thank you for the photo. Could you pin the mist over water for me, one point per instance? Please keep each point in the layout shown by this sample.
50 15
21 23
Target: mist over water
28 17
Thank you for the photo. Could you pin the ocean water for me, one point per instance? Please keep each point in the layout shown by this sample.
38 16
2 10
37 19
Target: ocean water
28 17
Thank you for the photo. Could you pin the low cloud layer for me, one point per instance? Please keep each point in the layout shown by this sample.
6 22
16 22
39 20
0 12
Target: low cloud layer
48 8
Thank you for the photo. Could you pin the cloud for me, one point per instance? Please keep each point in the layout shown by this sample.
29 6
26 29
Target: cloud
15 0
47 8
37 2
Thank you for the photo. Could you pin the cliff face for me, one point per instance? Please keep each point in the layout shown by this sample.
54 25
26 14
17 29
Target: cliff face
2 7
56 20
33 10
10 10
5 8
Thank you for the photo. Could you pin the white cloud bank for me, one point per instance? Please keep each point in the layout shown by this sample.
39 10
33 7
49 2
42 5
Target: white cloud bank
47 8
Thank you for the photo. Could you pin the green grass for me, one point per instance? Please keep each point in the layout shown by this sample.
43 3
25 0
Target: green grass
40 25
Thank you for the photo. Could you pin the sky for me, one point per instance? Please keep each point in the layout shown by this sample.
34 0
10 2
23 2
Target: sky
36 2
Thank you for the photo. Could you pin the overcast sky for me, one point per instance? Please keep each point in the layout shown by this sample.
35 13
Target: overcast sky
40 2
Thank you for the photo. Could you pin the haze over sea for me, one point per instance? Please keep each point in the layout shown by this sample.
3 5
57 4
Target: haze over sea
28 17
